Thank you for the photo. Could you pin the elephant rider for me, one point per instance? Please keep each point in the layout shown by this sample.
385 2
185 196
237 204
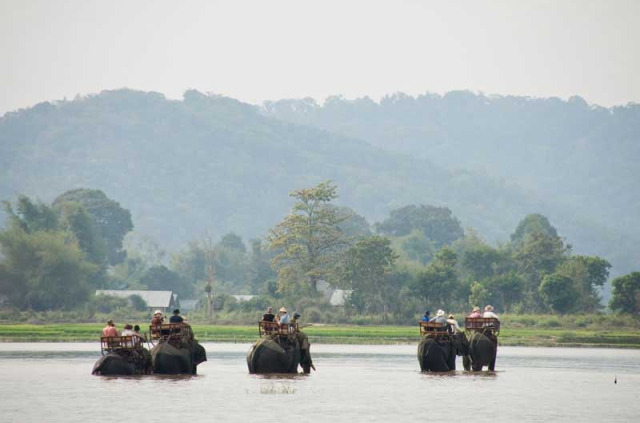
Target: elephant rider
440 317
110 329
284 319
426 317
453 323
268 316
157 319
488 312
176 318
475 313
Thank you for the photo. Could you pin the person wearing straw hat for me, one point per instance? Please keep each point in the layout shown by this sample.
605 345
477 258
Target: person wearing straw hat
453 323
488 312
440 317
475 313
284 319
157 319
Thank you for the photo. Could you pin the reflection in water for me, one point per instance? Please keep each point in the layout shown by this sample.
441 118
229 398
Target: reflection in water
52 383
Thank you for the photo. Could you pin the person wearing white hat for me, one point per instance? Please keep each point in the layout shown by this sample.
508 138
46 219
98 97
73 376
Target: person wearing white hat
488 312
284 316
157 319
440 317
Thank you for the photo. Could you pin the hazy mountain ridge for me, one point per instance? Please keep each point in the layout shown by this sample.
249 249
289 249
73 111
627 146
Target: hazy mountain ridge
214 163
580 159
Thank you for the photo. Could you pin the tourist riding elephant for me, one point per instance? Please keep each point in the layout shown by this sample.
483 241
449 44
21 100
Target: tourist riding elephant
483 348
177 358
280 354
131 362
439 354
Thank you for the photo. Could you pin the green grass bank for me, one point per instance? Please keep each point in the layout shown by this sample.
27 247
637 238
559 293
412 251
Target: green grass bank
337 334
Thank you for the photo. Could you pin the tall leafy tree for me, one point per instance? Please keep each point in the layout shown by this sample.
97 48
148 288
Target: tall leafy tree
558 293
626 294
31 216
113 221
307 240
43 270
438 283
437 223
588 275
366 269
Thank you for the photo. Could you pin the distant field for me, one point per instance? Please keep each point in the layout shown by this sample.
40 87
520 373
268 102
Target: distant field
334 334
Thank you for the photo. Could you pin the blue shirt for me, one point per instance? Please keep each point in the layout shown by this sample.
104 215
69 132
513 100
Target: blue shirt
285 319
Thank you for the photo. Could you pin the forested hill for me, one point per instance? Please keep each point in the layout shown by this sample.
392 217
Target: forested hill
211 163
581 159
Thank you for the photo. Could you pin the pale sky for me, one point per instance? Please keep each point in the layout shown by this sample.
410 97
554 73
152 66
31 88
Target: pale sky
269 49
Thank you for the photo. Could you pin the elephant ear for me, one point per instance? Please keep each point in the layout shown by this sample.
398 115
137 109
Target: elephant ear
304 341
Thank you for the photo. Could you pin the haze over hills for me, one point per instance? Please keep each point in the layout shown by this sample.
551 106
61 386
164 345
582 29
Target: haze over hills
210 163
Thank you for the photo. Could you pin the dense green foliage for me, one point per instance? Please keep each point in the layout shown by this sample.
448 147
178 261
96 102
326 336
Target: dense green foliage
212 165
626 293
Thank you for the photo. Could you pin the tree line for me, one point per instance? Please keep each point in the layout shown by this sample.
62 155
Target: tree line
54 256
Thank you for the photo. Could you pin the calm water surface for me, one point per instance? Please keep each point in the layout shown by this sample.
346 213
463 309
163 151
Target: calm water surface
42 382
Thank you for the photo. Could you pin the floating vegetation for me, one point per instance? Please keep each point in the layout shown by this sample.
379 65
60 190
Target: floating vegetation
275 390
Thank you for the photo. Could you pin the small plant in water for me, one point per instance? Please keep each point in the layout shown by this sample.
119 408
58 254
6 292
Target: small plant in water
273 390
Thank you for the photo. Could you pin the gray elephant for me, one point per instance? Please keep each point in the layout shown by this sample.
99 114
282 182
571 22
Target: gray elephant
438 353
482 351
177 357
124 362
280 354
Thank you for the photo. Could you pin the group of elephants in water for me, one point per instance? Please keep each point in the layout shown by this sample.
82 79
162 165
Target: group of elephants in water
285 351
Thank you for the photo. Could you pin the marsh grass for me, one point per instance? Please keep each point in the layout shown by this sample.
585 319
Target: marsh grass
527 330
277 390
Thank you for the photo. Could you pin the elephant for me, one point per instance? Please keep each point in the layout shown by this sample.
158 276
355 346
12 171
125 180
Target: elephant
280 354
124 362
177 357
438 354
482 351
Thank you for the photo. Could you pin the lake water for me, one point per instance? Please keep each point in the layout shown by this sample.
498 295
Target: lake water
47 382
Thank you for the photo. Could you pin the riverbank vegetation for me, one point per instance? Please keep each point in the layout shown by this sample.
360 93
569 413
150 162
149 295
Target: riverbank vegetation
53 258
536 330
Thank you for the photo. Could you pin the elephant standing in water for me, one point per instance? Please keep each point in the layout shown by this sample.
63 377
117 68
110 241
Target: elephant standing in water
177 351
177 357
122 357
280 354
483 348
438 354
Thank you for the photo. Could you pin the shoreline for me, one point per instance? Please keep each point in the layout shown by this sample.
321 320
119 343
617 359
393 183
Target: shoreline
338 334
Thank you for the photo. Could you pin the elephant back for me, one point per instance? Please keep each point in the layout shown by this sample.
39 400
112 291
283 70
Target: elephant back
274 355
172 359
435 355
114 364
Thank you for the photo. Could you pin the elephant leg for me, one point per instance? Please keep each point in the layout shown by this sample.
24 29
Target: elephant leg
466 362
492 364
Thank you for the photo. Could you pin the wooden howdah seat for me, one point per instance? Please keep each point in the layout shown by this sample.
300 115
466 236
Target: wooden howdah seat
274 328
119 343
482 324
172 332
434 329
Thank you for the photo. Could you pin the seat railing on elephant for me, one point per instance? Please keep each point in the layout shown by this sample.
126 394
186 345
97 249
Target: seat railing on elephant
433 329
266 328
482 324
172 331
114 343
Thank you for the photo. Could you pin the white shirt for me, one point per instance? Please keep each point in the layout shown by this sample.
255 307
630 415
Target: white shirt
490 314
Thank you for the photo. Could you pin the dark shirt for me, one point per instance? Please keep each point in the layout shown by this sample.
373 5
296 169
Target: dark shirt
268 317
176 319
